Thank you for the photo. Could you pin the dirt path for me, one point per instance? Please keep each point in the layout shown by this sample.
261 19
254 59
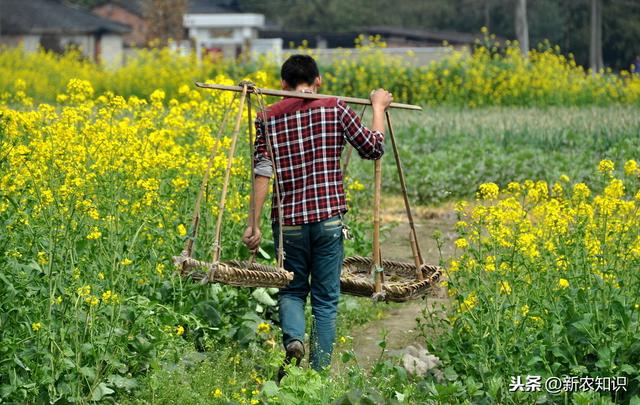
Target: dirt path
399 322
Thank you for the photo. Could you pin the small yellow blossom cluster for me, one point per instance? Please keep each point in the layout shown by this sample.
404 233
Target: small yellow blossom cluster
529 237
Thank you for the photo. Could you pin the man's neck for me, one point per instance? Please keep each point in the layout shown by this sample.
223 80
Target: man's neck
305 88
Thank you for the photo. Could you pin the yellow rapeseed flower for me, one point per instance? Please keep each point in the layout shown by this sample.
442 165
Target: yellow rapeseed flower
106 296
505 287
488 191
631 167
606 166
563 283
179 330
43 258
490 263
94 234
217 393
84 291
36 326
126 261
581 191
469 303
264 327
461 243
182 230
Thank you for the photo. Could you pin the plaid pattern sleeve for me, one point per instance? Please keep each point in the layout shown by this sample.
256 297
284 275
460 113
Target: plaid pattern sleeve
307 139
368 143
262 159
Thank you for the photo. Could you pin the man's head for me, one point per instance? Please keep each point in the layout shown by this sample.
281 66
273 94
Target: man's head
300 70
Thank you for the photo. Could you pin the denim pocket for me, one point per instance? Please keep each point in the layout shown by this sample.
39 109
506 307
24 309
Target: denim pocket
292 233
332 227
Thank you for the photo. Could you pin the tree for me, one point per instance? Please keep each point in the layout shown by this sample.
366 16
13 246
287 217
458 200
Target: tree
165 19
595 41
522 29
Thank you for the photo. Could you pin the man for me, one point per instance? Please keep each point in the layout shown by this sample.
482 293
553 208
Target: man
307 138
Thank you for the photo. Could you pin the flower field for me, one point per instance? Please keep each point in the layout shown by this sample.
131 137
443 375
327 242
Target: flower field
491 75
96 192
546 283
98 175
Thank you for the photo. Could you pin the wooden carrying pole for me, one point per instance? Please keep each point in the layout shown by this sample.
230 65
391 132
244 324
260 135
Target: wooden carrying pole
227 175
377 257
417 256
296 94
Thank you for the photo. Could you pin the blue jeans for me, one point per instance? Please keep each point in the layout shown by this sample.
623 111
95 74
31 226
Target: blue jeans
314 253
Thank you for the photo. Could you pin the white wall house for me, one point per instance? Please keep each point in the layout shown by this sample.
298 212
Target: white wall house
223 32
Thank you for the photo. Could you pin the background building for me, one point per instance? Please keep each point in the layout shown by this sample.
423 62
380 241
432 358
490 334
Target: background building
129 13
57 27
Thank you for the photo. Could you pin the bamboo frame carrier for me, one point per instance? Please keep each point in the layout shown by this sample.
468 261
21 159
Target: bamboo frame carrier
380 279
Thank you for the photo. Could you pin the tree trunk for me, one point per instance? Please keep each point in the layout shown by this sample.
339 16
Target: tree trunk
165 19
522 28
595 48
487 14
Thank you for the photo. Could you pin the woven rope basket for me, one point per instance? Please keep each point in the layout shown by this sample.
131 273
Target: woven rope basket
400 279
234 272
400 284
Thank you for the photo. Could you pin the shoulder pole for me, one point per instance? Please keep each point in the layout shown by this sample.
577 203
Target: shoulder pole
308 96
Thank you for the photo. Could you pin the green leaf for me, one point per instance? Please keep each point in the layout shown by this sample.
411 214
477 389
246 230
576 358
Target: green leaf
628 369
604 358
68 363
619 308
122 382
262 296
88 372
10 286
20 363
264 254
6 390
270 389
450 374
347 356
100 392
86 348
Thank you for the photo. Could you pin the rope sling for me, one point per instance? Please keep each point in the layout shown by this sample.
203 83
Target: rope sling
382 280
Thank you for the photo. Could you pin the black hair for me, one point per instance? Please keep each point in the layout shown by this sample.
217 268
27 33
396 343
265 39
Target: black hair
299 69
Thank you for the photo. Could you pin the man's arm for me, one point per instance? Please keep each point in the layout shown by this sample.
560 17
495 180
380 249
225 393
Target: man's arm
263 172
253 235
380 100
368 142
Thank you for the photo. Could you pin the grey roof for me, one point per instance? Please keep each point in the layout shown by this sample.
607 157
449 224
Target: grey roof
453 37
210 7
52 17
193 7
133 6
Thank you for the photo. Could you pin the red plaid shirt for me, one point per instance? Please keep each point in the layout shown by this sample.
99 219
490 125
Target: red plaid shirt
307 137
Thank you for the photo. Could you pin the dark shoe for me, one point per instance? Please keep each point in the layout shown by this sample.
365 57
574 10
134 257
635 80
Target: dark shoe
294 350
